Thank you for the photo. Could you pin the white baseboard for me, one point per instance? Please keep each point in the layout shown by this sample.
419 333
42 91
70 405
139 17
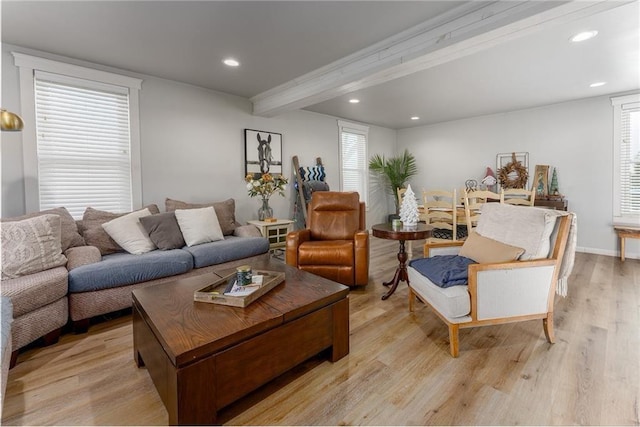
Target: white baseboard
627 254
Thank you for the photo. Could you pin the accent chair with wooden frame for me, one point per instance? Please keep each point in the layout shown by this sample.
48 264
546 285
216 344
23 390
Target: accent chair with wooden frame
503 292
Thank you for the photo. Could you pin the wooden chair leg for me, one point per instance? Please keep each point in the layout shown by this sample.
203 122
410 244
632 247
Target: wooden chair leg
547 324
454 343
412 300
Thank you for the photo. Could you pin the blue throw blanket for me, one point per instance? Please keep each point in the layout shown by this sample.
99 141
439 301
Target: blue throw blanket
444 270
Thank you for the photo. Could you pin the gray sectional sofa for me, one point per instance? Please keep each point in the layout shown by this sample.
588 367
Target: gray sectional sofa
96 276
102 287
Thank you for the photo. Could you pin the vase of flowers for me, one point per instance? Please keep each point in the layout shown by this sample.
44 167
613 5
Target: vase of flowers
265 211
264 186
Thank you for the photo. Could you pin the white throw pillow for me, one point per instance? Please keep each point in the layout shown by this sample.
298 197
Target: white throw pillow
129 233
199 225
31 245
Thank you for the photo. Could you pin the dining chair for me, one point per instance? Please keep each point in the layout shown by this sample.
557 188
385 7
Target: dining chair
441 210
473 201
400 192
519 196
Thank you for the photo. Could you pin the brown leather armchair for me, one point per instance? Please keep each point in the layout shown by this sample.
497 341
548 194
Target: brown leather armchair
336 243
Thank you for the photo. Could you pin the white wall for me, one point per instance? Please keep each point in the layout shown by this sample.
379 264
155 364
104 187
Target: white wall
192 145
193 150
575 137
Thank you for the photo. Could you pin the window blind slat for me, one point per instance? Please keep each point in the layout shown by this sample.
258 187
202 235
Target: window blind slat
630 160
83 147
353 154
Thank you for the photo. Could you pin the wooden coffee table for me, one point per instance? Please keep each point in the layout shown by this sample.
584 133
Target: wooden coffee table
202 357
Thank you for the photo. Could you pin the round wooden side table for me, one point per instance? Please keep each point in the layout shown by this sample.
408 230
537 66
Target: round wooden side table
386 231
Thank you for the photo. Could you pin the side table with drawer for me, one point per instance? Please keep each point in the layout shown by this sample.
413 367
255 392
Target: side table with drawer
275 231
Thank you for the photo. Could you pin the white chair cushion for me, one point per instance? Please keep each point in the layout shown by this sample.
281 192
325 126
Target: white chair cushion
454 302
524 227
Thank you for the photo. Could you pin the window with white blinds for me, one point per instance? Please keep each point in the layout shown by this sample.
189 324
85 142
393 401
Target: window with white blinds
83 144
353 159
626 209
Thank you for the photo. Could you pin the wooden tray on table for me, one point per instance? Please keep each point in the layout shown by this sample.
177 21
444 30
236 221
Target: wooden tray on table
215 292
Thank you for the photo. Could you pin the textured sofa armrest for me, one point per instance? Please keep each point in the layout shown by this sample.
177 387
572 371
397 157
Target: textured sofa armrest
6 310
248 230
294 240
82 255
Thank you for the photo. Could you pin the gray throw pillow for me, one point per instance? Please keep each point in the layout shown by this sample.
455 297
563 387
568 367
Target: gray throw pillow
95 235
163 230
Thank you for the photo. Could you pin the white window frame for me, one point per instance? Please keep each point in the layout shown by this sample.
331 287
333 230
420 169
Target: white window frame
27 65
619 103
363 130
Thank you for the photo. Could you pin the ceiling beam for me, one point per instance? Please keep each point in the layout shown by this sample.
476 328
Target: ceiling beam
462 31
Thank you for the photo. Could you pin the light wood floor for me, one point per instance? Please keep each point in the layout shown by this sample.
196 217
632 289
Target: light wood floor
398 372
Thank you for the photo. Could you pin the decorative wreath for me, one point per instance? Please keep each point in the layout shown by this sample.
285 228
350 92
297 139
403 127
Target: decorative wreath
505 174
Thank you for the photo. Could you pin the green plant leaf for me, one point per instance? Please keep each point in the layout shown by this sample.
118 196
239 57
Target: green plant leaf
396 171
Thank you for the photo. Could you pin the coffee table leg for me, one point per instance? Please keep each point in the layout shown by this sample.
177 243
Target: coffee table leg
401 272
340 347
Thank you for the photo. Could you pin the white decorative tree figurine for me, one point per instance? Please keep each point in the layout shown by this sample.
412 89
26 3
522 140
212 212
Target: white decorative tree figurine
409 209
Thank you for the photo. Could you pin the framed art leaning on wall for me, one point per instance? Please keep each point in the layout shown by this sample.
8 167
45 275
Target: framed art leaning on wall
541 180
263 152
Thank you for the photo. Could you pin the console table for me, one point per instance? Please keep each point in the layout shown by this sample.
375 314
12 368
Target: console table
275 231
626 233
559 205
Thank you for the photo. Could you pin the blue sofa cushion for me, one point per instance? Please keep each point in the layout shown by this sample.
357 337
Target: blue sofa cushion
121 269
229 249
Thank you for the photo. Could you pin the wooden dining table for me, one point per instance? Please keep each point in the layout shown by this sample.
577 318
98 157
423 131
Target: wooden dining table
460 213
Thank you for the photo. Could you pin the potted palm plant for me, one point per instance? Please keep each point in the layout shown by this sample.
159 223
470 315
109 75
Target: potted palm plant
395 171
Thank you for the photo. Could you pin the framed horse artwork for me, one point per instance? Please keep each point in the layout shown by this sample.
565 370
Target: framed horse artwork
262 152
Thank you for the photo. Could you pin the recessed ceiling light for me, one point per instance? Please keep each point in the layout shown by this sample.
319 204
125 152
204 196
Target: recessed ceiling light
597 84
354 100
415 118
231 62
585 35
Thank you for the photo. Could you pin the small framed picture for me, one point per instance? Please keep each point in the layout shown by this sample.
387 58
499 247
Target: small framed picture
541 180
263 152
